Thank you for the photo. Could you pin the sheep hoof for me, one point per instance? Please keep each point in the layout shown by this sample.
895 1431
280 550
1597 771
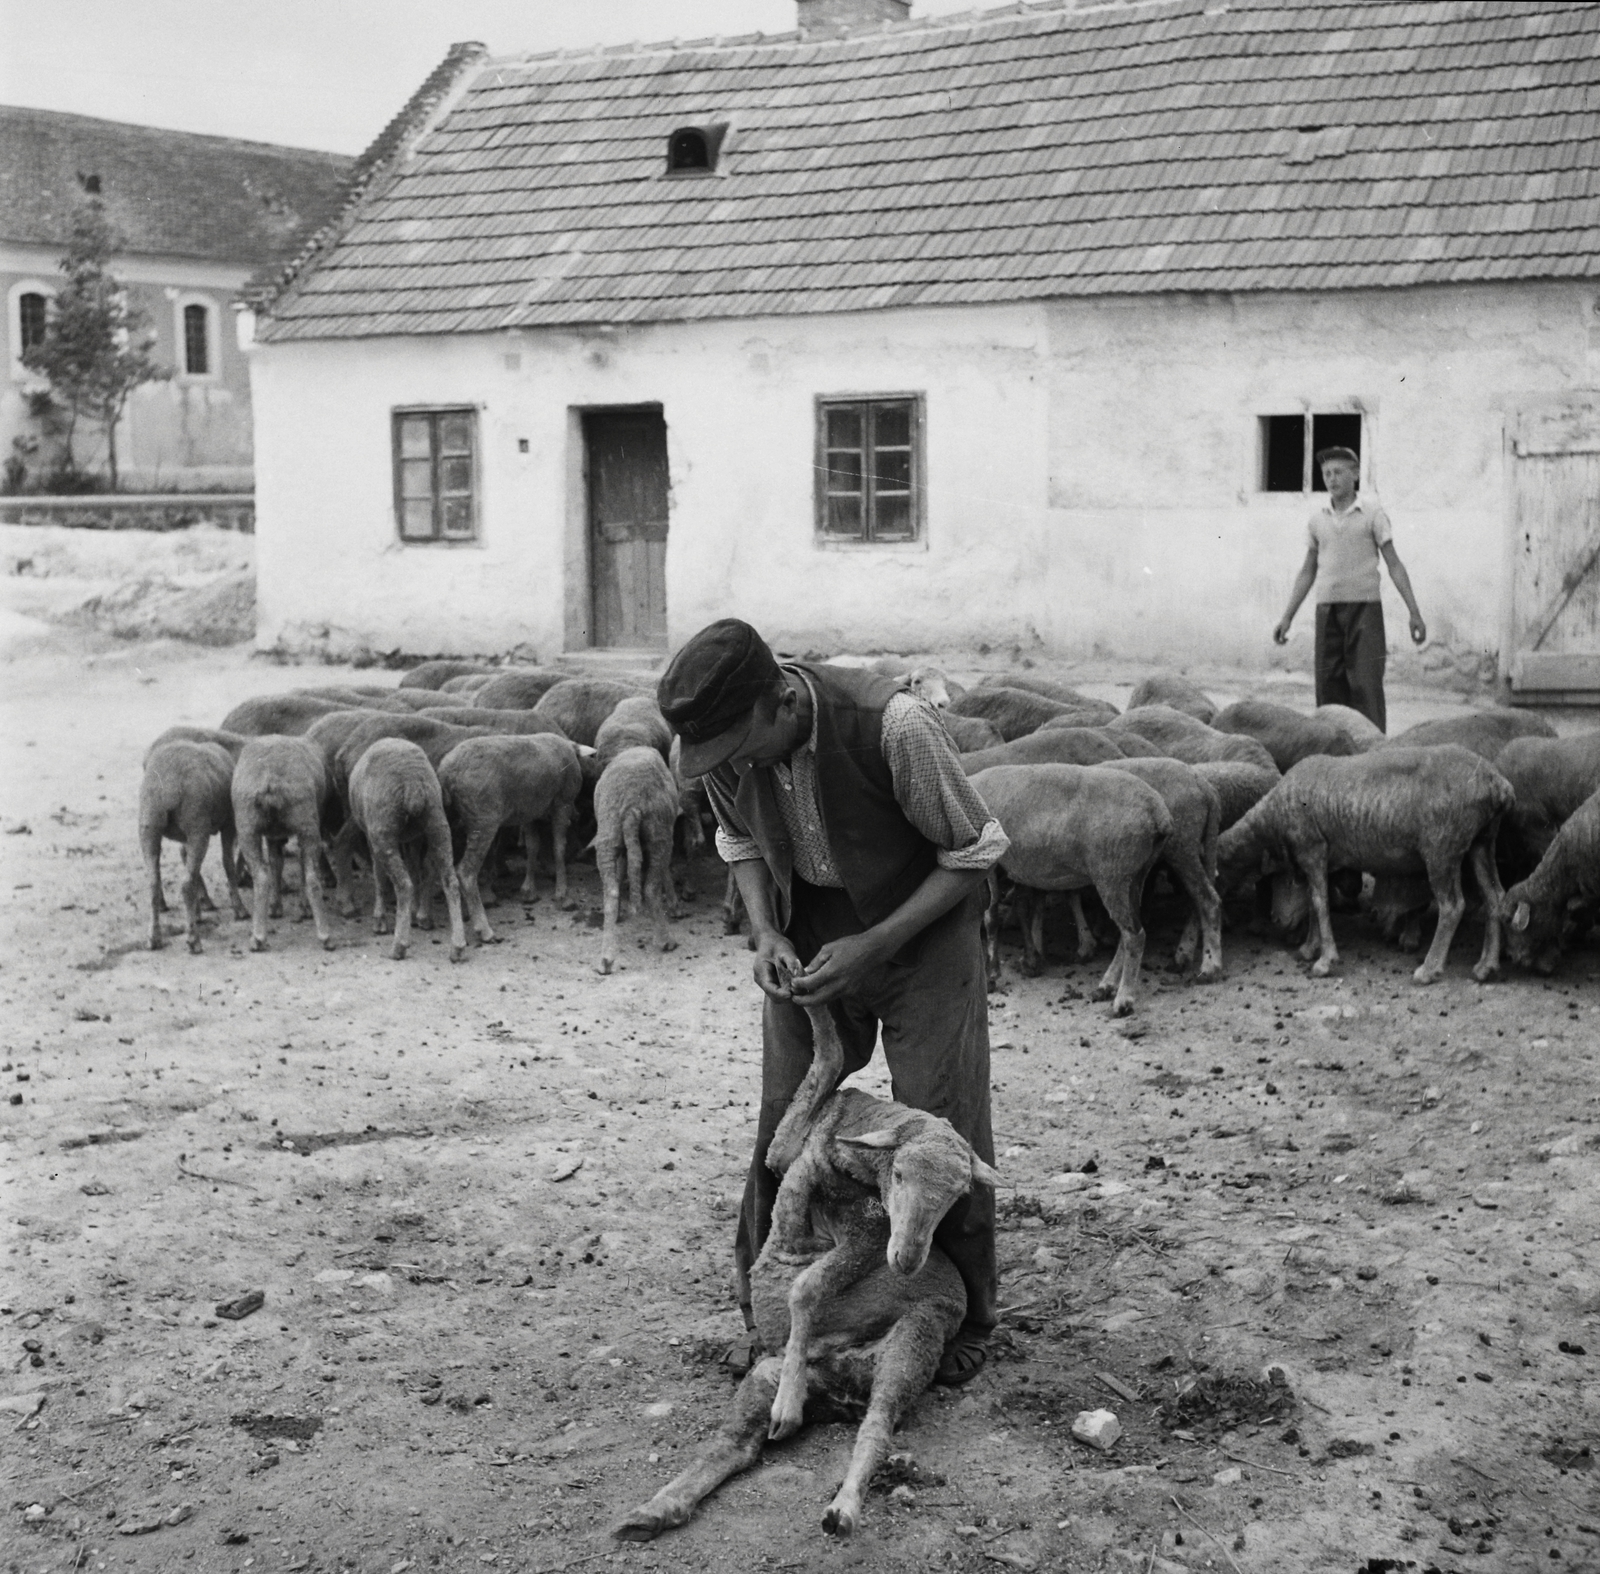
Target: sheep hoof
275 910
839 1522
1321 967
669 945
641 1525
458 953
397 952
381 926
257 943
157 943
605 964
1484 971
1424 975
1122 1008
194 945
1101 992
328 945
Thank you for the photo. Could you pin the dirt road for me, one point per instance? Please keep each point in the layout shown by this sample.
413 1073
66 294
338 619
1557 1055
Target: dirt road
490 1207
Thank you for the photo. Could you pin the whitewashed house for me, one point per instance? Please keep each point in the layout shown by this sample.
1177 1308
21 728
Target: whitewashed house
1018 327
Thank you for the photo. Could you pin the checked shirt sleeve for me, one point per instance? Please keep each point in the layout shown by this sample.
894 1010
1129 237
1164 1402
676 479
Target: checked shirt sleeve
934 791
735 845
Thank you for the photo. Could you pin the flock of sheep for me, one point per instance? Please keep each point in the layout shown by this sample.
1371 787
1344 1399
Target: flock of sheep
1255 799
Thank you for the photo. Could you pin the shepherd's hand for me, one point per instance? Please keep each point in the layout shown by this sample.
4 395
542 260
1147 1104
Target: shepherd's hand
838 969
777 963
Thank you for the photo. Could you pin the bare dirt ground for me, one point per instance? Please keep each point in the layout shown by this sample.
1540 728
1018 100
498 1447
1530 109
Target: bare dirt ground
490 1209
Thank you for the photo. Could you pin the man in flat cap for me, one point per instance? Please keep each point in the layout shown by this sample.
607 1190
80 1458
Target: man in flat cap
1344 540
860 849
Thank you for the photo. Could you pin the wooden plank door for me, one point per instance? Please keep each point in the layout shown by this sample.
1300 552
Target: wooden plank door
627 452
1555 519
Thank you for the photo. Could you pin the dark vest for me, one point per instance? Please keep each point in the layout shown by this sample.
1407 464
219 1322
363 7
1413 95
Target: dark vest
879 854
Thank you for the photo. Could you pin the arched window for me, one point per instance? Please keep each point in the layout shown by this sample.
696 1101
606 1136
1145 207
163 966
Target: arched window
693 150
31 308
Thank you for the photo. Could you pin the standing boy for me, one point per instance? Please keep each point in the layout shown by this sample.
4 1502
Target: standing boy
1344 541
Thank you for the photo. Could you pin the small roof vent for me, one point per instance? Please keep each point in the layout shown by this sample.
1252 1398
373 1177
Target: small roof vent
693 150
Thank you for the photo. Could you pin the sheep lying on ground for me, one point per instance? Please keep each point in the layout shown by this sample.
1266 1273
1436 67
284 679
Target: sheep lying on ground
580 705
1016 712
1074 826
1239 787
1048 746
1189 856
635 808
1062 693
970 733
517 688
1179 736
635 722
1539 910
280 789
491 782
1553 778
1174 691
1485 732
849 1284
1362 732
1392 811
185 797
1285 734
432 674
395 802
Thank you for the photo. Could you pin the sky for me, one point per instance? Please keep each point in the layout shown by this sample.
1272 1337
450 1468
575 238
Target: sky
324 74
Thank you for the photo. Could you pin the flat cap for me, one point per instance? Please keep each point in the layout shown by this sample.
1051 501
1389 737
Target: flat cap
710 688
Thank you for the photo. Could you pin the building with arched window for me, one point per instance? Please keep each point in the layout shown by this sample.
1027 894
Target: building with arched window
200 216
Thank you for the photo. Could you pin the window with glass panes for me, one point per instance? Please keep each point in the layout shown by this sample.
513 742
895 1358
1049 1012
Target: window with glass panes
868 481
196 340
434 469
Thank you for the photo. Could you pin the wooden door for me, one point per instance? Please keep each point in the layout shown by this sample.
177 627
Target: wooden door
627 452
1554 459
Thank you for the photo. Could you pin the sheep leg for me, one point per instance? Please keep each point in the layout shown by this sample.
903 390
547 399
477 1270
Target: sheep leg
194 854
1086 944
636 869
1123 899
1444 875
1489 887
1028 905
735 1446
1319 932
467 876
444 871
150 846
275 875
1203 932
387 853
255 861
659 895
341 855
529 892
560 821
380 923
605 857
230 870
309 840
906 1362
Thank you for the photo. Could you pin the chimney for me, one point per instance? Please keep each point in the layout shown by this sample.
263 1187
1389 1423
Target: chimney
846 16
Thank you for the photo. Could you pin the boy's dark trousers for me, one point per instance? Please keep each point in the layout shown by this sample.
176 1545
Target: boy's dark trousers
1351 654
932 1003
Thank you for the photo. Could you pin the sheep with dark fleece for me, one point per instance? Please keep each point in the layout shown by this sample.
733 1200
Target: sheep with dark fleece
1062 693
1285 734
580 705
1048 746
1071 827
1179 736
1239 787
396 803
1175 692
1016 712
969 733
280 789
1189 856
1553 778
185 797
1485 732
517 688
491 782
635 722
1393 811
1539 911
434 674
1362 731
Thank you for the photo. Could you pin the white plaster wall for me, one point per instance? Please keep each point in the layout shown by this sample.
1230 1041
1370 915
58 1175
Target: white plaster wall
1091 470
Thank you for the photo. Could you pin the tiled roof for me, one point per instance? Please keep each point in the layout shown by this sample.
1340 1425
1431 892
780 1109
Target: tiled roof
1040 151
170 193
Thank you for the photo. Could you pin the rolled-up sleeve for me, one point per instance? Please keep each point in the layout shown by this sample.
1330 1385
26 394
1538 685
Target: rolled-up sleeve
735 845
933 791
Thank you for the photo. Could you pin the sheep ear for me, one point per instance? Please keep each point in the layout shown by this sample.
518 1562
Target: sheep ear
1521 917
986 1173
889 1137
584 751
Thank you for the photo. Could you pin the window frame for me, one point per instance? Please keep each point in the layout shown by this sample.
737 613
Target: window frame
918 488
180 337
400 414
712 135
1309 446
19 372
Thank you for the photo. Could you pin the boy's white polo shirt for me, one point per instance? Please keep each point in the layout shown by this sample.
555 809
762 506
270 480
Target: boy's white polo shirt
1347 546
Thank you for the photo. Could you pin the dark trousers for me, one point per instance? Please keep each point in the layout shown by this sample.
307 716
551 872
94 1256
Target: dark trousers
931 1001
1351 654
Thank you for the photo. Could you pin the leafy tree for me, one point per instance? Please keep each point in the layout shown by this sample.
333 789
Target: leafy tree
96 345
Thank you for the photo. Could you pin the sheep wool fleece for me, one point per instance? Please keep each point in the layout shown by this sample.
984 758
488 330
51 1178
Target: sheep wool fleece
931 1003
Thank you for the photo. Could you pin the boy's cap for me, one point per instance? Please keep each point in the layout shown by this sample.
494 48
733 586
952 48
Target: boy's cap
1349 455
710 688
